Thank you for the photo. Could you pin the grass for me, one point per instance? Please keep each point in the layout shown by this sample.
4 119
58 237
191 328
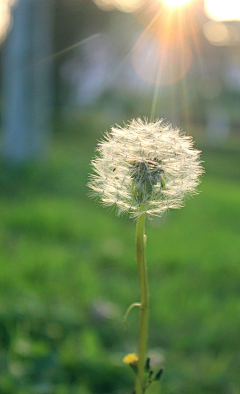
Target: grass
68 274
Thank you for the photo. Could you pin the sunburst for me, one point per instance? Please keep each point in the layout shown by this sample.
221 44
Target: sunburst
176 3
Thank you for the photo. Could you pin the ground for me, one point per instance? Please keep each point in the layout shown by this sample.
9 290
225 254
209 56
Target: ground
68 274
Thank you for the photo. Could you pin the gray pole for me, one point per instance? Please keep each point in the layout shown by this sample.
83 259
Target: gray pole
27 82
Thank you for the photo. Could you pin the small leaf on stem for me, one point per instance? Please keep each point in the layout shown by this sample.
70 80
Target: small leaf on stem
158 375
147 365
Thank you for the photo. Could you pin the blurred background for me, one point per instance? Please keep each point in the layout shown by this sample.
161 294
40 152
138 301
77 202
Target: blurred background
70 69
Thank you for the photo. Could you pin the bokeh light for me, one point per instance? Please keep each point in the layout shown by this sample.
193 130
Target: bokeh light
222 34
217 33
223 9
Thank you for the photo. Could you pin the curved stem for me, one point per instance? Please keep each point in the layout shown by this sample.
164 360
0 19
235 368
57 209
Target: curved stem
143 284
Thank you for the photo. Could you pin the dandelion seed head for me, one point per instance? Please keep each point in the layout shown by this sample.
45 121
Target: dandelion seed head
150 163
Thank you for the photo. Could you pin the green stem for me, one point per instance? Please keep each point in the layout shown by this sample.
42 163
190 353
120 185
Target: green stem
143 284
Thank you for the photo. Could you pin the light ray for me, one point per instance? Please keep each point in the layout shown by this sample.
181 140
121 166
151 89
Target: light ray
176 55
200 56
162 54
71 47
63 51
156 94
141 37
176 3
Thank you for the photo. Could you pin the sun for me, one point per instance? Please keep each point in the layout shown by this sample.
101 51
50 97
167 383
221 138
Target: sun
176 3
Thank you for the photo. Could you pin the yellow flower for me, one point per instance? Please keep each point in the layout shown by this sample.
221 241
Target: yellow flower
130 358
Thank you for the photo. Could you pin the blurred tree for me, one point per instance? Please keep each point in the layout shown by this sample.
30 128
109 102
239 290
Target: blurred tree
27 82
75 20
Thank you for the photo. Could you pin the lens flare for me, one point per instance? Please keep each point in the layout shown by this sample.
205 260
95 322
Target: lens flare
176 3
158 64
163 53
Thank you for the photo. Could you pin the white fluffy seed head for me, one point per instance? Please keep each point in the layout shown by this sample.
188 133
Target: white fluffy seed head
145 162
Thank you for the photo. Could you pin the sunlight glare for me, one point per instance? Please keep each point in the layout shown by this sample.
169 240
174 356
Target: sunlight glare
159 65
176 3
5 19
122 5
223 10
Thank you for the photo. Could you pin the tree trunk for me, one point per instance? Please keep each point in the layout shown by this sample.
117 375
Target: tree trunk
27 82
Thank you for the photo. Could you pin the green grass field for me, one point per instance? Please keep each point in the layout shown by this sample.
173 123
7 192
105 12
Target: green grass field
68 274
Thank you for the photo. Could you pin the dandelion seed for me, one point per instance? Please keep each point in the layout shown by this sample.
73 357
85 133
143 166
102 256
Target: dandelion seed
150 163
